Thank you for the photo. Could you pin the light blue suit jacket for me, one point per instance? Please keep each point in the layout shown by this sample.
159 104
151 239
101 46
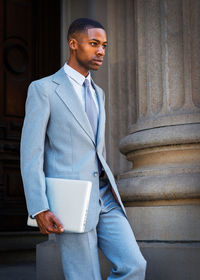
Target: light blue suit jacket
58 141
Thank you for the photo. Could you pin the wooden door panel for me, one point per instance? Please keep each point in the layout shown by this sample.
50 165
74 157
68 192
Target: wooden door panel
26 31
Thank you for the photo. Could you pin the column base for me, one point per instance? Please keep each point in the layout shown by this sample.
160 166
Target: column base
171 261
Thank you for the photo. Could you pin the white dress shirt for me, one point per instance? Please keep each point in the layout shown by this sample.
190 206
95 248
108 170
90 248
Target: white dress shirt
77 80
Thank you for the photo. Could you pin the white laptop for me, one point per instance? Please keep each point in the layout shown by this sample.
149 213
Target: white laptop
69 201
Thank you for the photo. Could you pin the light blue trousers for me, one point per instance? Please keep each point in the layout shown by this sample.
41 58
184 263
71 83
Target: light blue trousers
113 235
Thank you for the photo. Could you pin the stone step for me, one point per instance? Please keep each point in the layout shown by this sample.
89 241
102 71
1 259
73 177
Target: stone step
20 240
18 265
18 254
14 257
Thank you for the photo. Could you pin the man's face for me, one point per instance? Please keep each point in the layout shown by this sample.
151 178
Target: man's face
90 48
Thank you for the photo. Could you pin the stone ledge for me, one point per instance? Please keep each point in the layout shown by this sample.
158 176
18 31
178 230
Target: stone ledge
167 261
171 187
161 136
170 223
20 240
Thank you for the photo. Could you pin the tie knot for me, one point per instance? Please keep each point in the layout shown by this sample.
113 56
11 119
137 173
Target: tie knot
86 83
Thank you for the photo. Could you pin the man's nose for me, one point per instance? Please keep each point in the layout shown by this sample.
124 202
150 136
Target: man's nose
101 51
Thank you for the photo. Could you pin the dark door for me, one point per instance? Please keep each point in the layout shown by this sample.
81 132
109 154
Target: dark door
29 49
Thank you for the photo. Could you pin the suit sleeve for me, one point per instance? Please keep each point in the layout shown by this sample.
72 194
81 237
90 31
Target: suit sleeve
32 148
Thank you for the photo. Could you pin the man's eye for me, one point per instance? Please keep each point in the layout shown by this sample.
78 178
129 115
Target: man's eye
93 44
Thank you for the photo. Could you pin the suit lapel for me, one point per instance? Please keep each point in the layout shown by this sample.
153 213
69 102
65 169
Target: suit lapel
68 95
101 122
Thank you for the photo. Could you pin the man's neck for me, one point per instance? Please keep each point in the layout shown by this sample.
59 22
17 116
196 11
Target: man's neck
78 67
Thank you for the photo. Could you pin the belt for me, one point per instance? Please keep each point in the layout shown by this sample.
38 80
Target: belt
102 174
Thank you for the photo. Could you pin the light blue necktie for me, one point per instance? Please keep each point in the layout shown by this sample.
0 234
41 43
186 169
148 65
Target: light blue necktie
91 111
90 107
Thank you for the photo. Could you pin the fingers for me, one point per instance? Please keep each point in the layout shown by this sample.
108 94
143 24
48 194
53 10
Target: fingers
49 223
57 224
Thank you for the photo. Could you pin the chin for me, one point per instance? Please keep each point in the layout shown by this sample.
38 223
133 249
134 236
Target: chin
94 67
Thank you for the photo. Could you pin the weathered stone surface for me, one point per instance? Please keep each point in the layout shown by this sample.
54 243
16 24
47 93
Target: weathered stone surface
171 261
163 143
162 188
165 223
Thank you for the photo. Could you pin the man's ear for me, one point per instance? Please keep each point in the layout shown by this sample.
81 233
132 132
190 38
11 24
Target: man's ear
73 44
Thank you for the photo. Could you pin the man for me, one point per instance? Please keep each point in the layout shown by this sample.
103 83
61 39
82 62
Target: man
63 137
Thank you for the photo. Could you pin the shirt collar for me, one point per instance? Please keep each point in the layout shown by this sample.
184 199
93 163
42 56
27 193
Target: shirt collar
75 75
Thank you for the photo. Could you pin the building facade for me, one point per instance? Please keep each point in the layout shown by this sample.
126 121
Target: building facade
151 76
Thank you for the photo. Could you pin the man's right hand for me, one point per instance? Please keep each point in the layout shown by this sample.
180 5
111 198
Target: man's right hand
48 223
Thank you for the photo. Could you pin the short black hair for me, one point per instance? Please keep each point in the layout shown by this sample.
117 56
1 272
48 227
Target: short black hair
82 24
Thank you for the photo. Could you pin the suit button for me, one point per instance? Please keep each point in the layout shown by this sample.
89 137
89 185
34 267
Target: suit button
95 174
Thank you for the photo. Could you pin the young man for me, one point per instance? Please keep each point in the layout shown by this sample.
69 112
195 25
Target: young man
63 137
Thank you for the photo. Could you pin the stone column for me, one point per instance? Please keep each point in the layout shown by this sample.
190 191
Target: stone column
162 189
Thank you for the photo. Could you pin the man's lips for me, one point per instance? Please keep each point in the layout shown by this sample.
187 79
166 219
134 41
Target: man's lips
98 61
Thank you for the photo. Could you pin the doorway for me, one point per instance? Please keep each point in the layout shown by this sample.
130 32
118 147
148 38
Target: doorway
29 50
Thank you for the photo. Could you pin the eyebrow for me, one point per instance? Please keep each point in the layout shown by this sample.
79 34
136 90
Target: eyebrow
93 39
